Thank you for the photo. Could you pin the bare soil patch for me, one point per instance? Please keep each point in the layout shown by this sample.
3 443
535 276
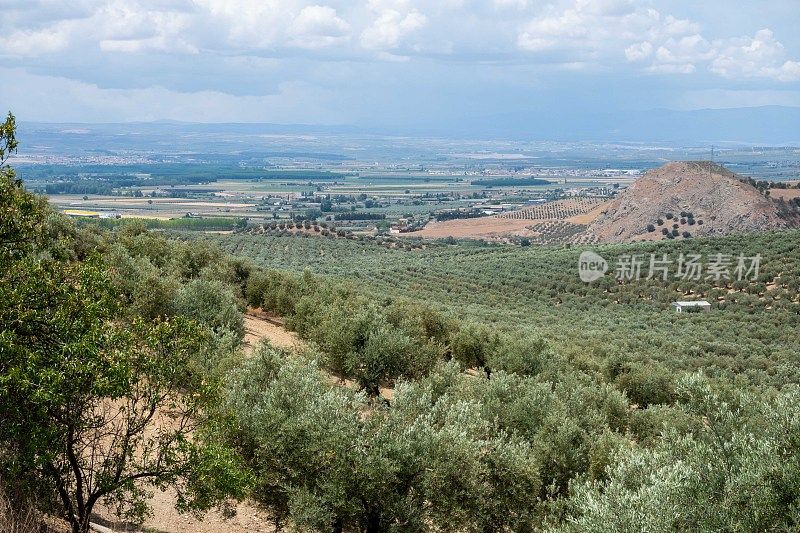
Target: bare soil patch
259 325
472 228
786 194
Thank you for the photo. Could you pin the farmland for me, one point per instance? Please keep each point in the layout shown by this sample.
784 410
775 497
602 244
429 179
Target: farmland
537 289
556 210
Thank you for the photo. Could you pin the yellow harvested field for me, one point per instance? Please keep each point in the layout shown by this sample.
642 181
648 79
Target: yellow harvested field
786 194
515 223
591 216
472 228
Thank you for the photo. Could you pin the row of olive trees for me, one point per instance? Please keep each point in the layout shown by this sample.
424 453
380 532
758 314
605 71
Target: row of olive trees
375 343
456 452
325 458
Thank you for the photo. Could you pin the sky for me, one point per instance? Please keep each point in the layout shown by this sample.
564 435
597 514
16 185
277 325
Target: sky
403 63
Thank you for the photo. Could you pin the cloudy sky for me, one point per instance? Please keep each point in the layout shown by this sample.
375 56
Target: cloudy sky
389 62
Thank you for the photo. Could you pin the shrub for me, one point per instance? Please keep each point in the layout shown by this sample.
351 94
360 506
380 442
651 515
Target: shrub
211 303
647 384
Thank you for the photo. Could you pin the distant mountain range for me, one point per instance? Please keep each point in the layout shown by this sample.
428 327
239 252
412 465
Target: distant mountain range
748 125
768 125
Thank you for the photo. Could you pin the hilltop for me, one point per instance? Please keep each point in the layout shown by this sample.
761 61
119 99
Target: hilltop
687 199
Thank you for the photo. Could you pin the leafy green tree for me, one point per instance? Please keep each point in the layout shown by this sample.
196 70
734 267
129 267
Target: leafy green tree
21 223
647 384
211 303
388 354
84 401
95 407
296 434
324 460
526 356
725 477
472 346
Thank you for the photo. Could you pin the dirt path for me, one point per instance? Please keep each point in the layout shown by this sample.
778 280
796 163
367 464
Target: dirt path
259 325
165 519
248 519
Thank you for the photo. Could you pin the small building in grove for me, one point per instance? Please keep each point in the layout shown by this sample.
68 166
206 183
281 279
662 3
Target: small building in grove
696 306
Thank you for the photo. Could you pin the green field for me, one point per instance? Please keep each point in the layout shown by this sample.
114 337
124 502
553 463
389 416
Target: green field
752 331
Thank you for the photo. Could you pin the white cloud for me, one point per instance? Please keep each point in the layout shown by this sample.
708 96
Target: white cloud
244 24
252 46
395 21
48 98
591 29
612 8
639 51
606 30
680 56
510 4
318 27
602 33
761 56
112 26
33 43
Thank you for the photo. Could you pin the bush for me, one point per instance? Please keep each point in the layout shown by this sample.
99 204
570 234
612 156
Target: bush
472 346
647 385
526 356
387 355
211 303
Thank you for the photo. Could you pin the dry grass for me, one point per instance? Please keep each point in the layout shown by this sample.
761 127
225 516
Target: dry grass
18 517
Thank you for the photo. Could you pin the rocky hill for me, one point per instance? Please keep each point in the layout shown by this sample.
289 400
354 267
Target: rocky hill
683 200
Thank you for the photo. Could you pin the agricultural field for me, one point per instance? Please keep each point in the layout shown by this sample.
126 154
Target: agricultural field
556 210
550 222
536 289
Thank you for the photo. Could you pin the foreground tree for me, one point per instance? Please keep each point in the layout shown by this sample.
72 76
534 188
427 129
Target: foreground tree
739 471
93 408
326 459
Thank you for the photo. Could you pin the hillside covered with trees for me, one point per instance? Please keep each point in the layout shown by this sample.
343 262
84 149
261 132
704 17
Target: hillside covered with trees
452 388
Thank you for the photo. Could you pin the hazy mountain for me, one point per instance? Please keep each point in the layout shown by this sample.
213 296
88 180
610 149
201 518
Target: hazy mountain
751 125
